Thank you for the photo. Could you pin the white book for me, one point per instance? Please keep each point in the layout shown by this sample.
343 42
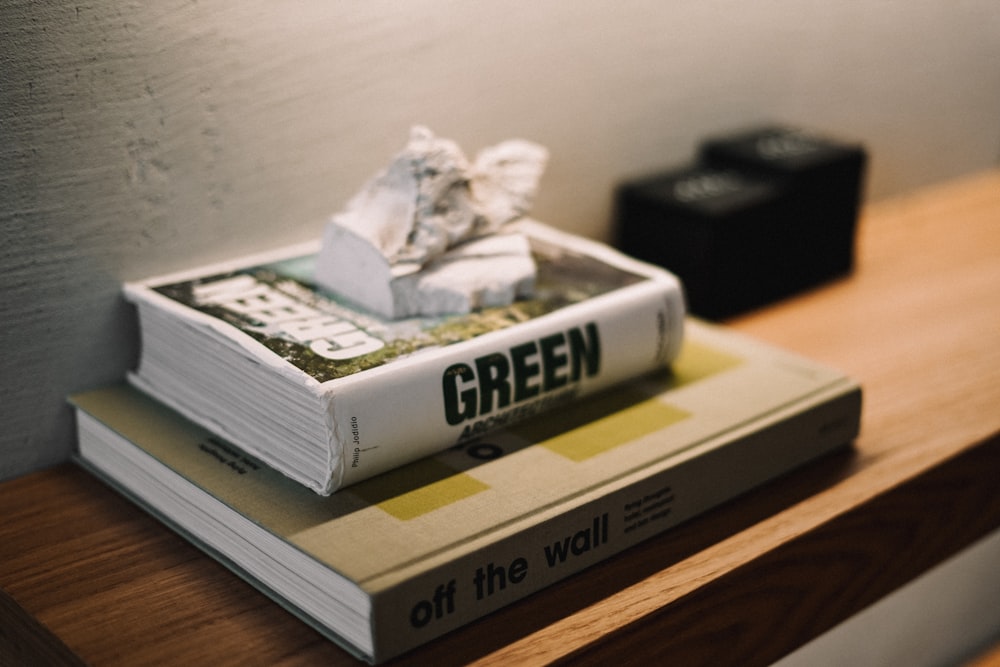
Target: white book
330 395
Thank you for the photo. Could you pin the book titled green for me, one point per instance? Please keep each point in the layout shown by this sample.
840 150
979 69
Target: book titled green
331 394
397 560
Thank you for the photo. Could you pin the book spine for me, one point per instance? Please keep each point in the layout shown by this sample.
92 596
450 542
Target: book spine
540 553
386 417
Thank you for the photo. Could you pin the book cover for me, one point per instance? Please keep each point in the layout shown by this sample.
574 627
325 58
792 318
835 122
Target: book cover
330 394
396 560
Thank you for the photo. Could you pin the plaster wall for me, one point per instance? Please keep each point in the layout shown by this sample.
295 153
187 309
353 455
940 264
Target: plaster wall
140 138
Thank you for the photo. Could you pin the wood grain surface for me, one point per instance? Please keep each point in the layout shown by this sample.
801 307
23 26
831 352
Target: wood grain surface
85 574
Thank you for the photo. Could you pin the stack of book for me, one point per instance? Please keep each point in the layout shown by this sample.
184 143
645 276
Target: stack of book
482 457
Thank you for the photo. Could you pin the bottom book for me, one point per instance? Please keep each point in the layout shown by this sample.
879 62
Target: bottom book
392 562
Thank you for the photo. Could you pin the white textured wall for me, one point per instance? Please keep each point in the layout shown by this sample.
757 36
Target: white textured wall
137 138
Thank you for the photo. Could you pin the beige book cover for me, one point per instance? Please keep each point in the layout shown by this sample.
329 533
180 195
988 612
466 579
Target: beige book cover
399 559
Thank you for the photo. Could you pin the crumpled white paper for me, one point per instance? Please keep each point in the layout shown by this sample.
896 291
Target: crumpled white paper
397 248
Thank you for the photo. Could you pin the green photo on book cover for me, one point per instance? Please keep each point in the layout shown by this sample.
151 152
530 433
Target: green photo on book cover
278 305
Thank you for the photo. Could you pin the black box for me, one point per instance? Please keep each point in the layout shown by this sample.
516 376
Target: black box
711 228
823 180
762 215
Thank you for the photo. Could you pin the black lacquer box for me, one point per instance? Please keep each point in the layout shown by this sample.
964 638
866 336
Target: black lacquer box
760 215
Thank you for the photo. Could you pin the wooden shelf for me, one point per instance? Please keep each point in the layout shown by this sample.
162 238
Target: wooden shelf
85 575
